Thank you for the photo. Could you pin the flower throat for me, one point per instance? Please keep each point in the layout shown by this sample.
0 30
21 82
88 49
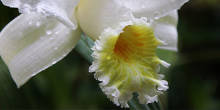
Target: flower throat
135 42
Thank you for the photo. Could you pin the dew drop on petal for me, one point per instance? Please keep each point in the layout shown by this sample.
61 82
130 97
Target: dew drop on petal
49 32
56 32
30 23
55 48
38 24
54 61
51 38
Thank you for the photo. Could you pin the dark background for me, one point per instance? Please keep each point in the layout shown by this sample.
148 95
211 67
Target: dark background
193 78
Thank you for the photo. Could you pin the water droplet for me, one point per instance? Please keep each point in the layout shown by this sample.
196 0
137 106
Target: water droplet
54 62
63 55
51 38
56 32
30 23
55 48
49 32
108 57
38 24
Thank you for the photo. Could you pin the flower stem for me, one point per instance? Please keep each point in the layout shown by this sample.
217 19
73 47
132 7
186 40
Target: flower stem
135 105
84 48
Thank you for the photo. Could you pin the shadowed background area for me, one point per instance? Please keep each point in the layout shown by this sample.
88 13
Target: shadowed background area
193 77
194 81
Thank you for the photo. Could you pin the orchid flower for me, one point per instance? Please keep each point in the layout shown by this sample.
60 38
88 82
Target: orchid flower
126 34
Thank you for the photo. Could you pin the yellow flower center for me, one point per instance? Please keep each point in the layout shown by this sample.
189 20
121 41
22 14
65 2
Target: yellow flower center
135 42
128 63
131 52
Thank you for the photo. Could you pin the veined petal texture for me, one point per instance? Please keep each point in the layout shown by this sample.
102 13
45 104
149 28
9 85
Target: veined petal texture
32 42
165 29
105 14
102 14
63 10
151 8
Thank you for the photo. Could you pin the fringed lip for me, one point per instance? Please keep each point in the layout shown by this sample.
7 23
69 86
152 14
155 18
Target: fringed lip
125 62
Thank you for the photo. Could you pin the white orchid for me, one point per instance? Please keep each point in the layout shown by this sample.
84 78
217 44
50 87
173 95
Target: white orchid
127 33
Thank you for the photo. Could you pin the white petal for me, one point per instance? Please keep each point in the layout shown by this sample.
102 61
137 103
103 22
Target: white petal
32 43
151 8
63 10
96 15
165 30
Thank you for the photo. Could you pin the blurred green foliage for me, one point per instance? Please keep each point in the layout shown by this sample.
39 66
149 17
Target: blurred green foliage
194 82
66 85
193 77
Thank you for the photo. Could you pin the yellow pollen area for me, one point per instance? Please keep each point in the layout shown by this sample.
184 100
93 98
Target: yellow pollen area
135 41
